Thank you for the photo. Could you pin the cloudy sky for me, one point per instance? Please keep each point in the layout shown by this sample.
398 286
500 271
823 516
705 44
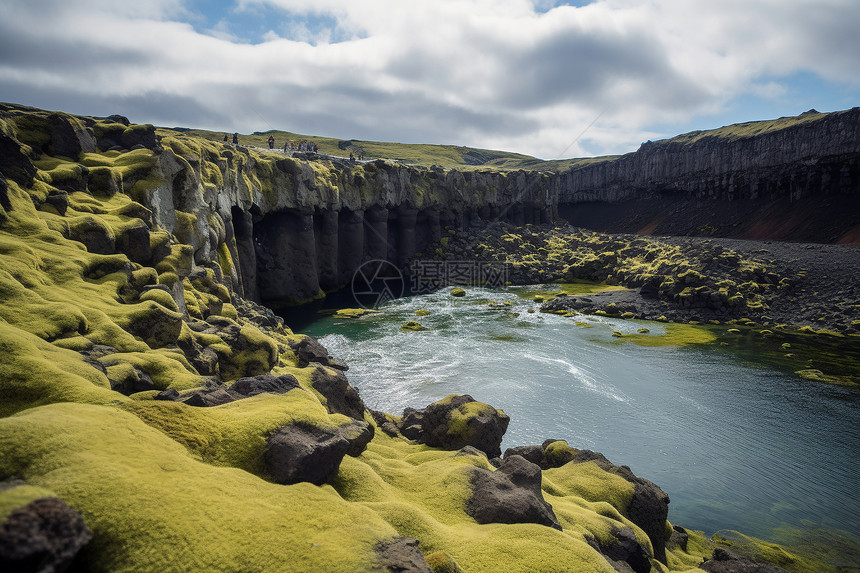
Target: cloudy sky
545 78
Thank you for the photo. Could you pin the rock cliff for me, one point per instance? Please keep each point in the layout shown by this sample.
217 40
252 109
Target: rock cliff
754 180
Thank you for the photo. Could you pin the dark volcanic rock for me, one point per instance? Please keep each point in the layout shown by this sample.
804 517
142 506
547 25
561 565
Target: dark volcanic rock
455 422
253 385
309 350
304 453
45 535
358 434
648 508
341 398
534 454
133 380
13 163
649 505
133 241
5 204
511 494
725 562
623 551
401 554
210 397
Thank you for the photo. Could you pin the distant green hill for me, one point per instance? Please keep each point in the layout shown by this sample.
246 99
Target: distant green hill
447 156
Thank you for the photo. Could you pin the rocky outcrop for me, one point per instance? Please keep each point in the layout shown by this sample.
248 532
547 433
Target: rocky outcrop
401 555
44 535
623 551
649 505
299 452
813 154
455 422
724 561
756 180
511 494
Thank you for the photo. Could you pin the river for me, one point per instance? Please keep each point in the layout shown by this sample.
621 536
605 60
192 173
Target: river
736 446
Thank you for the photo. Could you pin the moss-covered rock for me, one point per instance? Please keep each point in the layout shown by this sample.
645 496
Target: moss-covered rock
455 422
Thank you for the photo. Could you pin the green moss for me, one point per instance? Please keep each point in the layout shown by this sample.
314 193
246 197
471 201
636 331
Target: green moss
819 376
412 325
161 297
458 292
674 335
133 483
225 260
352 312
35 372
19 496
460 419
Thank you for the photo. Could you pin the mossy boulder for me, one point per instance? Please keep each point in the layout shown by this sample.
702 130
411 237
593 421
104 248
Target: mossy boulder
94 233
455 422
156 325
511 494
340 397
458 292
412 325
302 452
13 163
44 534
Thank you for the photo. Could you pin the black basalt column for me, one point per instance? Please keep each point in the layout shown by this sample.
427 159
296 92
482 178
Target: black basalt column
326 237
376 233
287 261
545 215
350 240
428 230
244 258
405 245
515 214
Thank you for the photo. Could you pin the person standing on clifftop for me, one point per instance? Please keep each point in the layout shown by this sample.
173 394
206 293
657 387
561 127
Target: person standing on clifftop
236 138
271 142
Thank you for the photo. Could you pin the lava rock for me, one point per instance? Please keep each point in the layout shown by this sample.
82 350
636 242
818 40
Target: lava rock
210 397
341 397
298 453
534 454
724 561
14 164
623 551
401 554
264 383
309 350
45 535
511 494
457 421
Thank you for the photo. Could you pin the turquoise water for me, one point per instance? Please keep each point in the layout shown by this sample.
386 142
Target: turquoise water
733 445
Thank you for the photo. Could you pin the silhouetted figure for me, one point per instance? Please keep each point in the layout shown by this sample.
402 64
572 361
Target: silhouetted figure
225 138
236 138
271 142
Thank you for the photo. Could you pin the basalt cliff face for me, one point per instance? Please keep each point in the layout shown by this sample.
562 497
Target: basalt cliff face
284 229
794 178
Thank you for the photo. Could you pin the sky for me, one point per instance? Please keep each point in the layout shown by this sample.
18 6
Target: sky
544 78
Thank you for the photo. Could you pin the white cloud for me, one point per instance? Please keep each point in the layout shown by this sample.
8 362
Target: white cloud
485 73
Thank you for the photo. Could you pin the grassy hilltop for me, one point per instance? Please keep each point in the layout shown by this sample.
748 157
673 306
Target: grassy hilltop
446 156
101 311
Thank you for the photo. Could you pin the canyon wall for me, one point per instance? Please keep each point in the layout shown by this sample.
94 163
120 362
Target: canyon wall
299 227
747 179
